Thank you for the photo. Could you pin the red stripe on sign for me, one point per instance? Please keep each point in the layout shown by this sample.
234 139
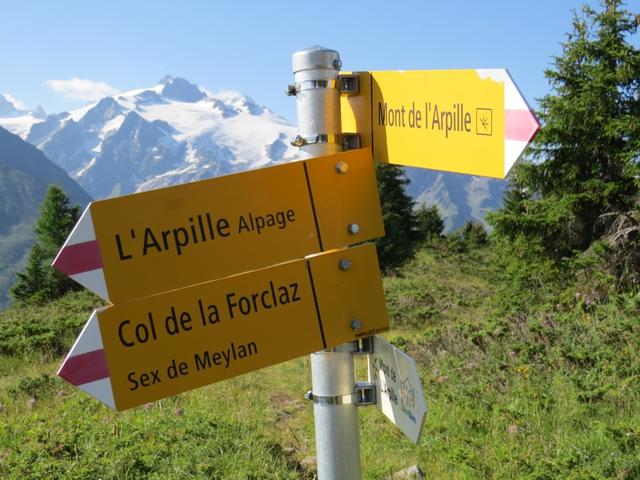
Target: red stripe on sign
520 125
85 368
79 258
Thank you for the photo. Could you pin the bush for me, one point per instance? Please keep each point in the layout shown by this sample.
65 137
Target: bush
470 237
47 330
429 222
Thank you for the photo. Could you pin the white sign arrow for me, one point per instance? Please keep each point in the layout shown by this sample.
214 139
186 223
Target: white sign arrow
398 387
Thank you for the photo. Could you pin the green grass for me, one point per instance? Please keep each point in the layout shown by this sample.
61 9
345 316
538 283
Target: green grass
553 393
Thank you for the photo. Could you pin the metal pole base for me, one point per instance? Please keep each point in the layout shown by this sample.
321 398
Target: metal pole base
337 429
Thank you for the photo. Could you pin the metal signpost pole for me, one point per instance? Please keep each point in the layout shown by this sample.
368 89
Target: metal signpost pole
315 72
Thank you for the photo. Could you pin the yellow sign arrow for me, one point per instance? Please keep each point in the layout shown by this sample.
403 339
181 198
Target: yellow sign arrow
138 245
466 121
165 344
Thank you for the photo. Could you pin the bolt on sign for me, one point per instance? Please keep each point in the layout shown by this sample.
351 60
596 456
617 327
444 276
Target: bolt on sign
465 121
398 387
162 345
150 242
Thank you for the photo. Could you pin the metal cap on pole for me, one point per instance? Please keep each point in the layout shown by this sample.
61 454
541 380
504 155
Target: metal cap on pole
315 71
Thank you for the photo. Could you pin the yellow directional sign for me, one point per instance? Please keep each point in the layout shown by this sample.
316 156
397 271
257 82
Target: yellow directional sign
165 344
141 244
466 121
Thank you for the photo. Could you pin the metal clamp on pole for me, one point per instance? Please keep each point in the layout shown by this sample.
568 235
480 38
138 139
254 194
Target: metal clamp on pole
349 84
363 346
300 141
293 90
364 394
348 141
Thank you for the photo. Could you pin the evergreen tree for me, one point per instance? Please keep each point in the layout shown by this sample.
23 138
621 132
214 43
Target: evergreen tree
430 224
475 234
56 220
33 279
401 234
587 153
40 281
468 237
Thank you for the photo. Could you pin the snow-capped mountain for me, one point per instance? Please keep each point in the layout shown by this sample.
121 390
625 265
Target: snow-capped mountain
18 119
176 132
8 109
171 133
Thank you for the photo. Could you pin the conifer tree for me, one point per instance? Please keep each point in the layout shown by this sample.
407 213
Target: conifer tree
40 281
57 218
33 279
587 153
401 234
429 222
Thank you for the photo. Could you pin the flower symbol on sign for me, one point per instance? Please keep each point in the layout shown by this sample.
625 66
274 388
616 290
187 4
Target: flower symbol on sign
484 121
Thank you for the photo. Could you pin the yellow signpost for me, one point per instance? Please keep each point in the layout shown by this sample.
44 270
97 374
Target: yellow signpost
138 245
213 279
465 121
165 344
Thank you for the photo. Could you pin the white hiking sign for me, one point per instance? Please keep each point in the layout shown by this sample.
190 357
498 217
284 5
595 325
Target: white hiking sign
398 387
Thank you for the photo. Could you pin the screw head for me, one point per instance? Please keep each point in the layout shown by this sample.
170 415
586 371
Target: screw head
298 141
356 324
354 228
345 264
342 167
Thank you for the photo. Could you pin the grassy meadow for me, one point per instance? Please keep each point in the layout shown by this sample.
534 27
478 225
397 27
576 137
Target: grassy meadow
543 392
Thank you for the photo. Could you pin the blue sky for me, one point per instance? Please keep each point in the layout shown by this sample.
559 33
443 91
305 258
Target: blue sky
247 45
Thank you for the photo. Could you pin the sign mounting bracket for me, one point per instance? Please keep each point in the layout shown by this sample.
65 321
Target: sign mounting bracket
349 84
364 395
349 141
363 346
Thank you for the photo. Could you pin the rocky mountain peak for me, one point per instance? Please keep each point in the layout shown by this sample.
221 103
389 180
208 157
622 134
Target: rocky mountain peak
181 90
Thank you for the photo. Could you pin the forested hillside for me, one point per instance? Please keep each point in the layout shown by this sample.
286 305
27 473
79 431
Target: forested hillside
25 175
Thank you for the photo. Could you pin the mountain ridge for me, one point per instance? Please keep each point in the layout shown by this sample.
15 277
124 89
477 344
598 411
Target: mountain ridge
176 132
173 132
